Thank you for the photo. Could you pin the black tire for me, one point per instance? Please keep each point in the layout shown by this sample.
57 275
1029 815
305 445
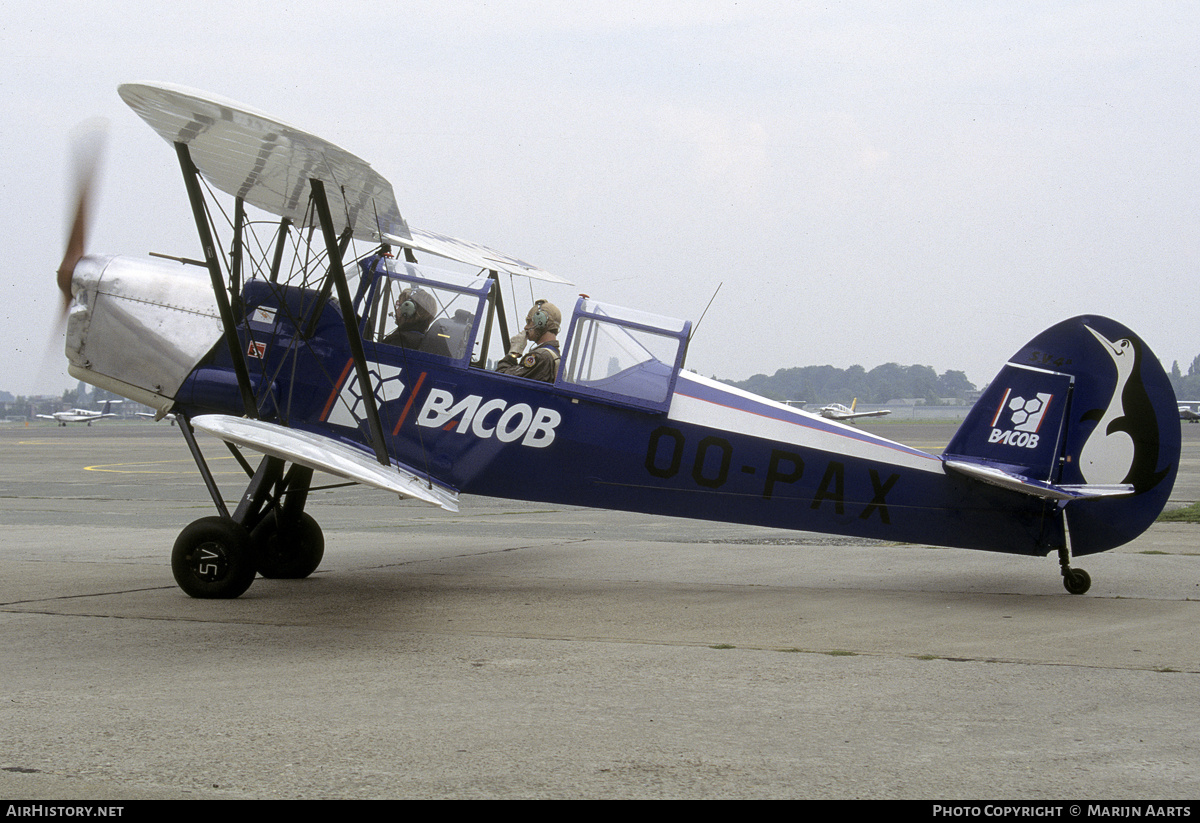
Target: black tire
1077 581
213 558
291 552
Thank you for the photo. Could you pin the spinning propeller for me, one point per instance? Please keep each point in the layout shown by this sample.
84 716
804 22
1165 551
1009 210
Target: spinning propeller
87 147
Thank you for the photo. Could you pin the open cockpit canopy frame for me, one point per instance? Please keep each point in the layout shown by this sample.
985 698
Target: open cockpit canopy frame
461 318
623 355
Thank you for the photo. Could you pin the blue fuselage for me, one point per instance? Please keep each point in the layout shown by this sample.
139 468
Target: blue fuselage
715 453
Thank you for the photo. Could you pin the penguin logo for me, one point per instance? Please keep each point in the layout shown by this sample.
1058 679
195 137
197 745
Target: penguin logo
1123 448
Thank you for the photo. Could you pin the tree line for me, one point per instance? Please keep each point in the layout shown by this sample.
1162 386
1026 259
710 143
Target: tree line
1186 386
828 384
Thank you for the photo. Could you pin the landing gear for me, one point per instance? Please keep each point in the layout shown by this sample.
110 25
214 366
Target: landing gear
288 549
214 558
1076 581
269 533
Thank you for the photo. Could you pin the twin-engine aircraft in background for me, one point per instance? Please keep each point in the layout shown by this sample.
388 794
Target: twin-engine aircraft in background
81 415
277 342
836 411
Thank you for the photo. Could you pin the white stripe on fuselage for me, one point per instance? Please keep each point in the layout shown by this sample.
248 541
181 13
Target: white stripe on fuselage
798 428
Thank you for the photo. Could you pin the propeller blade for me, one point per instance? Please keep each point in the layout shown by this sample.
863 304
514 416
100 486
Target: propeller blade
87 148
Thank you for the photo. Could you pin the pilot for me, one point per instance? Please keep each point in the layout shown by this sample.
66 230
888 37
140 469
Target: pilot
541 329
415 309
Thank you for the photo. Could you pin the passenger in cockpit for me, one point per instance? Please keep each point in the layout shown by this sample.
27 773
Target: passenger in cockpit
541 328
415 309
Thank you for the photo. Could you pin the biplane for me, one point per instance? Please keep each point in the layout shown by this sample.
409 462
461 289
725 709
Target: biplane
279 340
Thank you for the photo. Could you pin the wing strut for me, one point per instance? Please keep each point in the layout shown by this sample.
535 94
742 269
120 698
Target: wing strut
235 254
338 274
280 245
191 180
185 427
496 297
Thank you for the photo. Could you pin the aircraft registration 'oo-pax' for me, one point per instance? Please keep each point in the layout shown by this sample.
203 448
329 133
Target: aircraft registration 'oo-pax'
285 345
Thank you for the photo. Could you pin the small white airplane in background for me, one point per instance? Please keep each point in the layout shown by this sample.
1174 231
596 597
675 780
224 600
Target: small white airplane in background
1187 412
836 411
81 415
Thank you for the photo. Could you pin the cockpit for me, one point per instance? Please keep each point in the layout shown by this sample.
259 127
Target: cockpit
609 353
445 307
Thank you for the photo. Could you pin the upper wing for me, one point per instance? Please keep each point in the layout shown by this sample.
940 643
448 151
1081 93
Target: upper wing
269 164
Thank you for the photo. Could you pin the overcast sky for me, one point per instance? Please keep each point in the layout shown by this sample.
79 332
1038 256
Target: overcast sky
924 182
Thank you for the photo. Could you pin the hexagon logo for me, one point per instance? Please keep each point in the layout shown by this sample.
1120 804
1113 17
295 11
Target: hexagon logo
1027 414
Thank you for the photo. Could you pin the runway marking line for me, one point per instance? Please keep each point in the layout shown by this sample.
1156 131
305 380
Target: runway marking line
115 468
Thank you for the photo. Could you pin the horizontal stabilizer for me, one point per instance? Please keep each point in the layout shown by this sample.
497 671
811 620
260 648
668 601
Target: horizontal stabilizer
1047 491
325 454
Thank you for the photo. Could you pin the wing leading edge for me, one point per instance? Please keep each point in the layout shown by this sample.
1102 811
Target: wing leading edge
325 454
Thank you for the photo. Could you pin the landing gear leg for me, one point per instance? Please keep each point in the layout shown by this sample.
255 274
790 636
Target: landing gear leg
268 533
1076 581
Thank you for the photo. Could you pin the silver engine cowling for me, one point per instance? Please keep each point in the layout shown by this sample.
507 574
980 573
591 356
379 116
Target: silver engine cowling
139 327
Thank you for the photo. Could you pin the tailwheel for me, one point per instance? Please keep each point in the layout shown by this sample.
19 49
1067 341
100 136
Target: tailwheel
213 557
1076 581
288 548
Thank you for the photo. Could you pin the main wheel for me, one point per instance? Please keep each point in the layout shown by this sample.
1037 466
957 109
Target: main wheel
288 550
1076 581
213 558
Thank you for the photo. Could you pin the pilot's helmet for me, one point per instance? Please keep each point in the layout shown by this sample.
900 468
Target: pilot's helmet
545 317
415 307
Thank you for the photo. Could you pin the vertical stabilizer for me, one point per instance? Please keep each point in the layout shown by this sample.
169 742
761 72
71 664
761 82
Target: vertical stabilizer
1018 423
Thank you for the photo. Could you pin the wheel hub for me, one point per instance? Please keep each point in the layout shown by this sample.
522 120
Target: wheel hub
210 561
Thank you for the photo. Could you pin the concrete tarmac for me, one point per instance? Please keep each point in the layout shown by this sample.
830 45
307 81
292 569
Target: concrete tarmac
534 651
